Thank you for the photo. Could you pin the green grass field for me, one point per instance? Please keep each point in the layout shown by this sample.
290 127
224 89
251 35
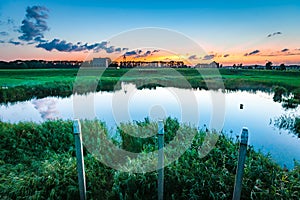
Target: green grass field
232 78
20 85
16 77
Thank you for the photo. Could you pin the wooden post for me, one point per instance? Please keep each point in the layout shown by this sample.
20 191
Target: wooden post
80 160
160 188
241 162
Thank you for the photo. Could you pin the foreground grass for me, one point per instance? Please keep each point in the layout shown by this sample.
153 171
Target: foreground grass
38 162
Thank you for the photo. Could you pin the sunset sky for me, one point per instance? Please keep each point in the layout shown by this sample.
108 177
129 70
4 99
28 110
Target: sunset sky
248 32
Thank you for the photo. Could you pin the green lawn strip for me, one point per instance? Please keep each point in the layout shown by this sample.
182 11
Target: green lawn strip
196 78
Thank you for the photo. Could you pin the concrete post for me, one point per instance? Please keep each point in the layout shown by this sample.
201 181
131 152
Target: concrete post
241 162
80 160
160 188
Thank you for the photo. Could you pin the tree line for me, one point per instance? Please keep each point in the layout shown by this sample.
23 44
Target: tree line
39 64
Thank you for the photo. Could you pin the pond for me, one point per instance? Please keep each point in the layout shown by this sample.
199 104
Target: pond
129 103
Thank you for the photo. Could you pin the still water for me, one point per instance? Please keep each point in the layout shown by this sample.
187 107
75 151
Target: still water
202 108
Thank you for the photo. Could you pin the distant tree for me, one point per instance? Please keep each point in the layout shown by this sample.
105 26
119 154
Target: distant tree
282 67
113 65
269 65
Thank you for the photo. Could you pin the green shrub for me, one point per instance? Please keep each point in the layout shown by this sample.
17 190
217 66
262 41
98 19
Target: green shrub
290 123
279 91
26 141
296 93
38 162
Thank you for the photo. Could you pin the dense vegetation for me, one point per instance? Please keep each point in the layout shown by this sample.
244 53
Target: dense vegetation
38 162
288 122
291 123
20 85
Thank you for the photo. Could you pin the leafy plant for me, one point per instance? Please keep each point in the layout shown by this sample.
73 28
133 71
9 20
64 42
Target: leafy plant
38 162
290 123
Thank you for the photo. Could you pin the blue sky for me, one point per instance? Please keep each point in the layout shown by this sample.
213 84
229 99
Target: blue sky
234 28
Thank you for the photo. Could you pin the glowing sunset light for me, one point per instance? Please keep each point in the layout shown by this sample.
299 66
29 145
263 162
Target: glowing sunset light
158 55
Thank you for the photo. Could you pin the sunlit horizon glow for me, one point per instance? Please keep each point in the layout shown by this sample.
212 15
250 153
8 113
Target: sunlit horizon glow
276 58
247 32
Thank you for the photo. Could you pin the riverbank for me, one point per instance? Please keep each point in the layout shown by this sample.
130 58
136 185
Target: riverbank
20 85
38 161
265 78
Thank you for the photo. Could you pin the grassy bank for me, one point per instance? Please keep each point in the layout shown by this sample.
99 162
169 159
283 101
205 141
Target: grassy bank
19 85
38 162
266 78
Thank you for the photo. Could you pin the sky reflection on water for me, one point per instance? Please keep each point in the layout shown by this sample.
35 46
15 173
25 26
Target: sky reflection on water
259 109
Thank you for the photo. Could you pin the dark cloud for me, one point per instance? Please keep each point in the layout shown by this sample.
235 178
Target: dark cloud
130 53
148 53
11 41
118 49
140 53
60 45
193 57
273 34
151 53
64 46
110 49
102 46
208 57
226 55
252 53
284 50
96 46
3 33
34 25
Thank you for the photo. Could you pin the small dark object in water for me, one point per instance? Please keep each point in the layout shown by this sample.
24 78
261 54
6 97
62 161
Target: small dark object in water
241 106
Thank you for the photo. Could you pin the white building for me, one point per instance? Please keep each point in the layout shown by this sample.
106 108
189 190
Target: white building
101 62
210 65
